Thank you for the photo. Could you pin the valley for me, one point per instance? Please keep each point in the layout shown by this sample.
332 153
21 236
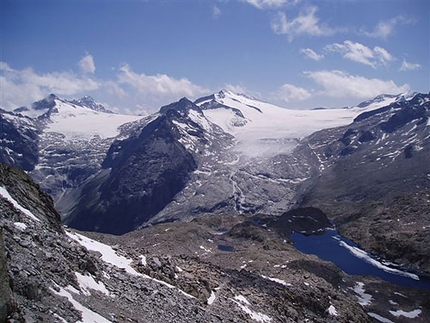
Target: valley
201 199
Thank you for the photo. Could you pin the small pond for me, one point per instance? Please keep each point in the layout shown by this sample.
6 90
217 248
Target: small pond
227 248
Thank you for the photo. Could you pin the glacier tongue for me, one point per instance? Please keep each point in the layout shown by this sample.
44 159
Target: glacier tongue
265 130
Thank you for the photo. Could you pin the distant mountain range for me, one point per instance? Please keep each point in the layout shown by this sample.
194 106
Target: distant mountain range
224 153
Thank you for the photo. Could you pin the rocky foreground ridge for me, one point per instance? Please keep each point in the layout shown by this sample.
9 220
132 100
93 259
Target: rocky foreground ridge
229 268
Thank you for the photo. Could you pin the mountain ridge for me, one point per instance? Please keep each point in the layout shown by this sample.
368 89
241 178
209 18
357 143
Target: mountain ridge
251 146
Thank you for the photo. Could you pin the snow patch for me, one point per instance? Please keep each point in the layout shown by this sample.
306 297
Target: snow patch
256 316
412 314
206 250
20 226
7 196
211 298
143 260
87 314
277 280
87 282
332 310
364 299
108 253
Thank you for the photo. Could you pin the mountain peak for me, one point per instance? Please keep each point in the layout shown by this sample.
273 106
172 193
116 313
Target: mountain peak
386 99
88 102
183 106
46 103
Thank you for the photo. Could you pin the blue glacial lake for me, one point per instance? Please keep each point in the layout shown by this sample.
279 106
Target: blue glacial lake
354 261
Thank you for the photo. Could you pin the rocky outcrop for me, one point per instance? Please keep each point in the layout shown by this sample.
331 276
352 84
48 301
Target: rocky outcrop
374 180
140 176
19 143
395 229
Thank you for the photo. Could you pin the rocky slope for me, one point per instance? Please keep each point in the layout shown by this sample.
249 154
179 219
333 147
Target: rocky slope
375 180
219 269
60 142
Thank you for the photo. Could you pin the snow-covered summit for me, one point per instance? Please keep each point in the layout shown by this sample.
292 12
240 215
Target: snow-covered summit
383 100
75 119
264 128
79 122
90 103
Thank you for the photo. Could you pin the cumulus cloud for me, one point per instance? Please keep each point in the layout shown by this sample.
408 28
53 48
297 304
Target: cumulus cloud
129 89
269 4
86 64
21 87
361 53
290 92
306 23
340 84
309 53
406 66
385 28
159 84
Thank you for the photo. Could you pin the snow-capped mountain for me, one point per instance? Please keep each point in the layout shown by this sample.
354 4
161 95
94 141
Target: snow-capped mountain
225 153
61 143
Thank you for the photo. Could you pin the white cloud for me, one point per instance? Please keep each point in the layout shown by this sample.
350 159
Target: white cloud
312 54
159 84
290 92
382 55
216 12
406 66
343 85
130 90
21 87
360 53
240 89
269 4
86 64
306 23
385 28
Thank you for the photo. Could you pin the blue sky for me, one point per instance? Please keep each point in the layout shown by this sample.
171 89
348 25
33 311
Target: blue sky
136 56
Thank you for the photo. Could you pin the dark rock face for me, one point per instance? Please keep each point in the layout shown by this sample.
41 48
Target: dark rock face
19 145
141 175
307 220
